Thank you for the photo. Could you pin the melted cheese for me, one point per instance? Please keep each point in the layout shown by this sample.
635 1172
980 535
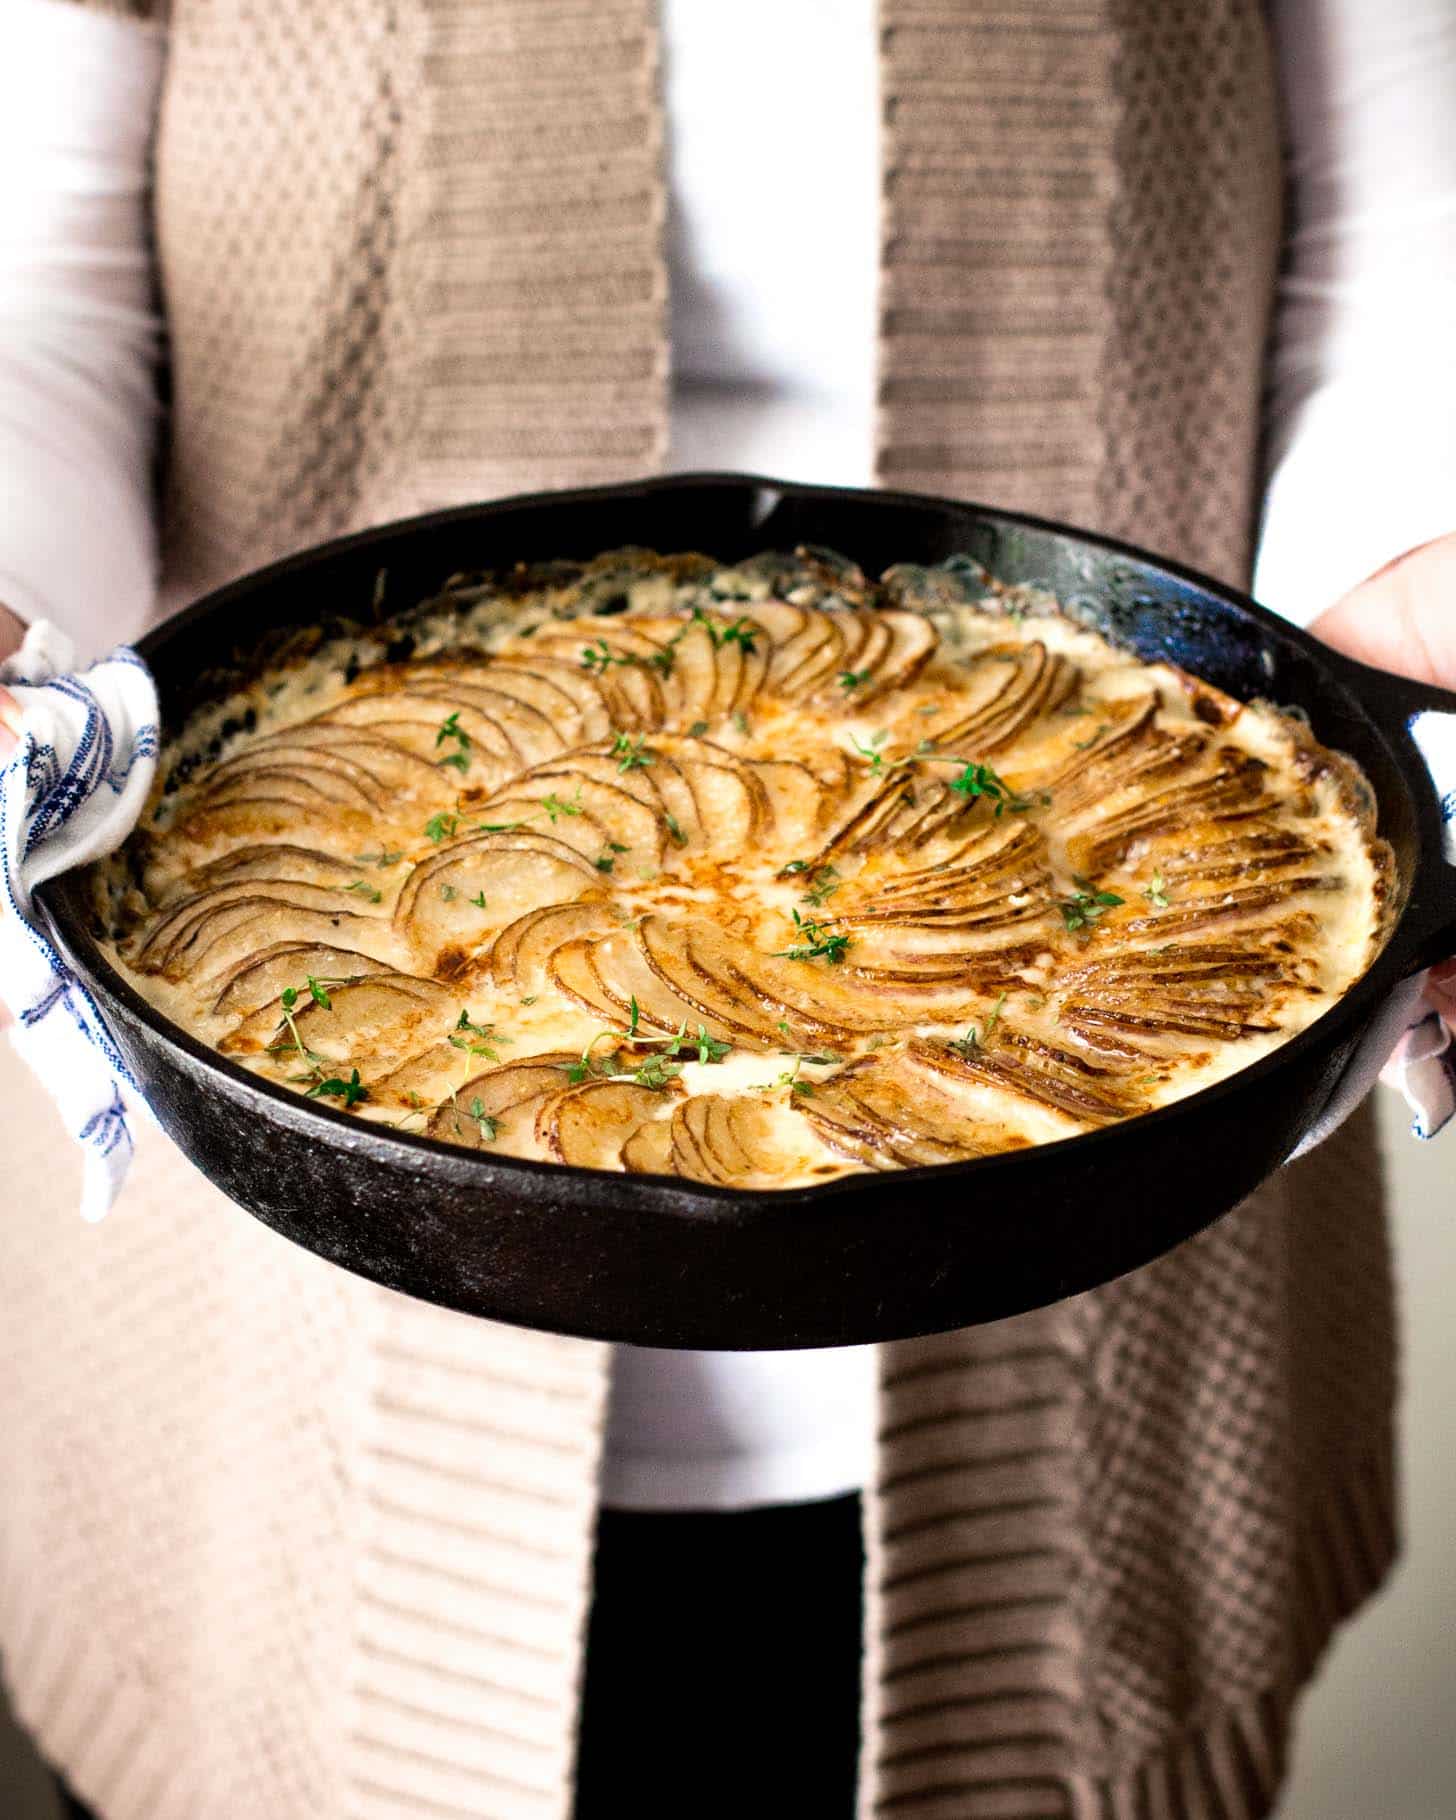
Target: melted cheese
1046 915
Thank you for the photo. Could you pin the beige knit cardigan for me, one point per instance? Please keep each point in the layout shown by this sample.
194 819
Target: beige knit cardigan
277 1543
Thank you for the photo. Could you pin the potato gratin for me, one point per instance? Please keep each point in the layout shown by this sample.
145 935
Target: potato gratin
755 875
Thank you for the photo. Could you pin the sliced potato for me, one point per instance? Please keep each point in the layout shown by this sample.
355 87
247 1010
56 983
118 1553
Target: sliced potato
259 978
587 1125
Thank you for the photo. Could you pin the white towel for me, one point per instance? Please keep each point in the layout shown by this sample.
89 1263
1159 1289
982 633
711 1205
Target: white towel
71 791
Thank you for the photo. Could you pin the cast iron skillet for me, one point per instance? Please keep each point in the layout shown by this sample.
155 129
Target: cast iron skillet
664 1262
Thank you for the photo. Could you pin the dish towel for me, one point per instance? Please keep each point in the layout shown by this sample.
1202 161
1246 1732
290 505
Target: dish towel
71 790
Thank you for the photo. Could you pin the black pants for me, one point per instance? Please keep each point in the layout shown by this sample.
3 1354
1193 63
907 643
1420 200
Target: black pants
722 1665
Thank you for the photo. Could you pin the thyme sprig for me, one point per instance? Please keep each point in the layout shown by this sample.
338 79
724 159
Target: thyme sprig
1086 904
816 942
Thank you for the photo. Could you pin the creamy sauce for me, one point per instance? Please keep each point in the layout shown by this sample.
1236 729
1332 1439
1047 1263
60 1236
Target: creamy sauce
998 1002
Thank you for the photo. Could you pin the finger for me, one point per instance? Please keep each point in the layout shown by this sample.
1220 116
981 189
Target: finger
9 723
1441 991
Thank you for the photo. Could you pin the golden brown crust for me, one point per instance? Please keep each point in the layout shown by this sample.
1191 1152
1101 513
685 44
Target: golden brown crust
649 865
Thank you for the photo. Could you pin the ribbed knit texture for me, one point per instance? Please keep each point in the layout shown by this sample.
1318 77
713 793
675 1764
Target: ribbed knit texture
276 1542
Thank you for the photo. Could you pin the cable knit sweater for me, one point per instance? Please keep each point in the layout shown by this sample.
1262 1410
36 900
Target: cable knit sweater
275 1542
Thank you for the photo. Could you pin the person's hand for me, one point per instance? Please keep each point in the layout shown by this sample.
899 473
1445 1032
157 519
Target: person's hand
1403 618
11 633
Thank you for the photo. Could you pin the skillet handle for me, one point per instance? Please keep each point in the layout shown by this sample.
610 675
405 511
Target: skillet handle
1421 719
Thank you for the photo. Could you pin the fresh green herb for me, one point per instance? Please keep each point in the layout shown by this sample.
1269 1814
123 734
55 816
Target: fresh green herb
380 859
698 729
366 890
440 826
478 900
794 867
675 830
599 657
790 1078
709 1048
871 754
1157 892
1075 711
849 680
450 728
555 807
350 1092
981 780
655 1072
823 883
1083 745
478 1038
608 857
631 754
1082 909
488 1126
448 893
816 941
498 827
742 632
586 1065
973 1039
529 1001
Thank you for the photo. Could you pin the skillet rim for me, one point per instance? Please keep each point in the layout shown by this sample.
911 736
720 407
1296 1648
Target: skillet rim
1415 933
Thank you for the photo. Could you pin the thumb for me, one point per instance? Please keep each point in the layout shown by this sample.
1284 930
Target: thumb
9 724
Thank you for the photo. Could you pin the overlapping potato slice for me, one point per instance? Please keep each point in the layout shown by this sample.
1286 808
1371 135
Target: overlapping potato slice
646 814
473 886
496 1110
379 1014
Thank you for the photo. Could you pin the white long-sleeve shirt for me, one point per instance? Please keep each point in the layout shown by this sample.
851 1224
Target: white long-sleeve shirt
1362 428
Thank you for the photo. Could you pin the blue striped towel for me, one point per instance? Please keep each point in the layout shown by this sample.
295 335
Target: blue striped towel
71 791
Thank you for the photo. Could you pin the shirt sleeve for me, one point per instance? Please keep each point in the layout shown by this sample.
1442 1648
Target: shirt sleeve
79 330
1361 431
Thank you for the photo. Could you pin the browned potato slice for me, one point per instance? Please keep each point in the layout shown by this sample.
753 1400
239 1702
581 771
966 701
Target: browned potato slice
169 934
413 719
587 1126
611 811
913 642
692 683
214 951
424 1080
275 809
539 680
523 947
309 788
649 1149
728 1007
795 800
621 974
507 1096
276 862
259 978
377 1013
730 812
572 970
441 903
814 652
337 772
